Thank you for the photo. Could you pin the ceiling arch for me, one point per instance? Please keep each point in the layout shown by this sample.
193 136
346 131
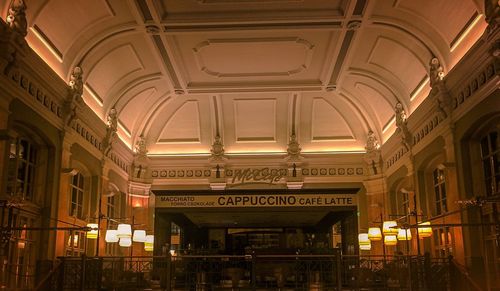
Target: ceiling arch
252 78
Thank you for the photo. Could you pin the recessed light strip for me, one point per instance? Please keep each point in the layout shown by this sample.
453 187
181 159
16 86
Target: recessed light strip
465 32
50 46
93 94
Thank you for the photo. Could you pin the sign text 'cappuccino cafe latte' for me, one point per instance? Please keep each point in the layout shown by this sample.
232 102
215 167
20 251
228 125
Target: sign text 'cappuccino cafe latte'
261 200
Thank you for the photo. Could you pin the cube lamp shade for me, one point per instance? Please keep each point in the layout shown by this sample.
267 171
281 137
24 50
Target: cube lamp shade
390 228
363 239
390 240
365 247
424 231
111 236
139 235
374 234
93 232
149 242
404 234
124 231
125 242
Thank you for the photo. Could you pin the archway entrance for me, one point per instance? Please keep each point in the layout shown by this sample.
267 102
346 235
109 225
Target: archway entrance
256 238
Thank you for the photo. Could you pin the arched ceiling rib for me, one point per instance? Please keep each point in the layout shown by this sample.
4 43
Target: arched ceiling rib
252 76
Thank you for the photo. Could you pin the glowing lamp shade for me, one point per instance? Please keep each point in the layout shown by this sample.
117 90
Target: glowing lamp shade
424 231
124 231
149 242
139 236
404 234
150 239
125 242
92 233
365 247
390 227
363 239
111 236
374 234
390 240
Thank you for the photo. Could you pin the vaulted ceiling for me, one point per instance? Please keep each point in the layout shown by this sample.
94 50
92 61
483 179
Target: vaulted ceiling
179 71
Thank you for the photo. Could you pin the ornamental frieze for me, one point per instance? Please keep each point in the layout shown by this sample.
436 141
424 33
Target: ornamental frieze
253 175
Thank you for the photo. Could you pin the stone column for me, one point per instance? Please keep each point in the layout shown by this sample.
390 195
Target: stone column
67 174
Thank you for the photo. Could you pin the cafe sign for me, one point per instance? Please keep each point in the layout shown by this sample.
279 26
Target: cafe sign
260 200
257 175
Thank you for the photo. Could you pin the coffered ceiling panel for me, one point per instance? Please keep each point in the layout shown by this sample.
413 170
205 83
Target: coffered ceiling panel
229 59
380 104
130 110
183 126
216 57
255 122
247 127
401 62
180 125
449 16
327 123
330 122
60 29
175 11
111 68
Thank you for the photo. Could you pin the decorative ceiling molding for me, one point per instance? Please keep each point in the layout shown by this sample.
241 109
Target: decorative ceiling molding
257 47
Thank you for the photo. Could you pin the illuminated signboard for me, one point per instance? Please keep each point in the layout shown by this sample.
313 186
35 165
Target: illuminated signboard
261 200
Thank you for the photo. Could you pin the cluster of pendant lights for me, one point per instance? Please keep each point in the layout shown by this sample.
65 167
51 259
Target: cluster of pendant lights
123 236
391 234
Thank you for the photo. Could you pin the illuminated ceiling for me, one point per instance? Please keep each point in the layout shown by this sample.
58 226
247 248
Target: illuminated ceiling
178 71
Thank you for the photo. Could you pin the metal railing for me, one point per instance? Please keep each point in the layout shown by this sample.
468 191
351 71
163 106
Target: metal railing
252 272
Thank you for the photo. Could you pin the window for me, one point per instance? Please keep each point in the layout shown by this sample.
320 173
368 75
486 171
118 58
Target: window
490 155
76 188
440 191
443 242
111 206
21 261
22 166
75 243
404 205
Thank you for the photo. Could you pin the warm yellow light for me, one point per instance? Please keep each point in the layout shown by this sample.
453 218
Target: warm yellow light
363 239
365 247
404 234
390 227
149 243
139 236
124 231
424 231
75 241
150 239
374 234
390 240
125 242
94 230
111 236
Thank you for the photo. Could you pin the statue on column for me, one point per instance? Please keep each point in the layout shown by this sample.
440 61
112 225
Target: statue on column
402 127
17 17
141 160
373 156
12 36
492 12
294 148
217 149
438 89
111 128
74 95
